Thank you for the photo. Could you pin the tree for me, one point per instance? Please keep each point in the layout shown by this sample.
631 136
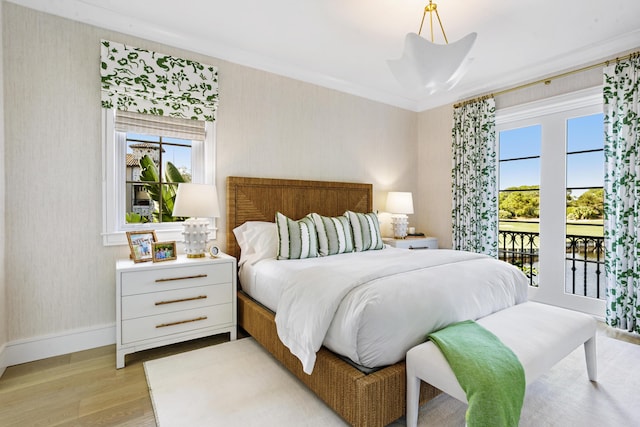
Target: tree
522 202
589 205
163 195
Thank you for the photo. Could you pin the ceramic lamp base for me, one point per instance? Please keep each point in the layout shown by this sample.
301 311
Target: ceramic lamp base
400 223
196 236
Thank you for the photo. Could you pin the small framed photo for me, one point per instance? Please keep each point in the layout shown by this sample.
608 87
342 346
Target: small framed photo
164 251
141 245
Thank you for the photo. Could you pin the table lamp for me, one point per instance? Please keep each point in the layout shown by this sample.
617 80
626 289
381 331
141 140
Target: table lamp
199 202
399 204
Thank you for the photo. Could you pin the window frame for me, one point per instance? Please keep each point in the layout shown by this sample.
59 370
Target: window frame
114 148
552 113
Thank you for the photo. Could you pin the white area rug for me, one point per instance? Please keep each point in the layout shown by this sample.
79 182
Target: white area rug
236 383
239 384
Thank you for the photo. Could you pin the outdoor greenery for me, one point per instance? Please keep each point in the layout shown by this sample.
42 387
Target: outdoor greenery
519 202
522 204
590 205
162 195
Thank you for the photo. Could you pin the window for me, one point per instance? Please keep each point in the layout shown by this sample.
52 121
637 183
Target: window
585 206
155 165
145 158
519 198
551 174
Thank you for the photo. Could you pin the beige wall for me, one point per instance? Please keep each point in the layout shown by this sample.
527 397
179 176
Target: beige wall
434 173
59 275
3 302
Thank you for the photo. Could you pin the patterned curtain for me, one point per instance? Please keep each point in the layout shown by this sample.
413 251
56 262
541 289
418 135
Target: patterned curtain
475 189
622 193
147 82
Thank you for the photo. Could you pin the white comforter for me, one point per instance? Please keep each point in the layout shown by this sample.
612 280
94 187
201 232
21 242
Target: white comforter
373 306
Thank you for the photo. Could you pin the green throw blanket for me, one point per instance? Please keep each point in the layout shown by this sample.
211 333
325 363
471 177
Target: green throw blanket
488 371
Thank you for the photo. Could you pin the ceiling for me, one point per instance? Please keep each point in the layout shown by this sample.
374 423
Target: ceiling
344 44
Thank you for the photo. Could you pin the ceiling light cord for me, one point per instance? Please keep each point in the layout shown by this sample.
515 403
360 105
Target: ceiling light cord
430 8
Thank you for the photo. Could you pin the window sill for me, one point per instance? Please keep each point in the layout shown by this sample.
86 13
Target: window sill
164 235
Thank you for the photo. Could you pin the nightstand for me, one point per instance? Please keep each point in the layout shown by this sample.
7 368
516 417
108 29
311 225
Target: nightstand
413 242
172 301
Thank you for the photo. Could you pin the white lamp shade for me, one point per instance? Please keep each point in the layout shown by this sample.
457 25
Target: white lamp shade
400 202
197 201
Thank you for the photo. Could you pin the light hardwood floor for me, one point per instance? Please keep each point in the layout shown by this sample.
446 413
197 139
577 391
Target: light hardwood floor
85 388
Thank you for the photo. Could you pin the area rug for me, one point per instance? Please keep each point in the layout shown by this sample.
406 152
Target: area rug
239 384
236 383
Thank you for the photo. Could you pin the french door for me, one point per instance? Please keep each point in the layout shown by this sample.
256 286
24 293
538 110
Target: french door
551 169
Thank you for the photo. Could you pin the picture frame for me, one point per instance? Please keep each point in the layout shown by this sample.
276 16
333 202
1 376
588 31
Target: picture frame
164 251
141 245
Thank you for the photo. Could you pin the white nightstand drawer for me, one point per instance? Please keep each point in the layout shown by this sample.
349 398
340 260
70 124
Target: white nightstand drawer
413 243
175 300
163 279
151 327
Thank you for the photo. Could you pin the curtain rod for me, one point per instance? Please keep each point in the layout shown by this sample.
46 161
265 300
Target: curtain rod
548 79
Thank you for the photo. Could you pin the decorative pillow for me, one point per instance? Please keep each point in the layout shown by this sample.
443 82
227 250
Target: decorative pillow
366 231
257 240
334 234
296 239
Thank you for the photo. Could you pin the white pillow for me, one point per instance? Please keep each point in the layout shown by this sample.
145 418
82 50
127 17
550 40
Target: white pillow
296 239
334 234
366 231
258 240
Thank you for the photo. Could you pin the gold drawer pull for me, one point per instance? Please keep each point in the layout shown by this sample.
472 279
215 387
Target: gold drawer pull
181 300
197 276
164 325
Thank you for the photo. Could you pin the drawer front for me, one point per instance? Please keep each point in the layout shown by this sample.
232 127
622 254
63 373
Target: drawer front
423 244
151 327
142 305
164 279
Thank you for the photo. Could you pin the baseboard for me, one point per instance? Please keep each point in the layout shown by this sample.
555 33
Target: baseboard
3 359
41 347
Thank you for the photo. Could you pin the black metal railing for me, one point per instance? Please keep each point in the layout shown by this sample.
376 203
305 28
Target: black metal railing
584 259
520 248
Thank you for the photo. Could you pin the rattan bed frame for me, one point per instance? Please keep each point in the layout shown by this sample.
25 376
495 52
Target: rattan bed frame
374 399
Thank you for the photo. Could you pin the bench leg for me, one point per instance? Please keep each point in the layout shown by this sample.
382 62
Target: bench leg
591 358
413 399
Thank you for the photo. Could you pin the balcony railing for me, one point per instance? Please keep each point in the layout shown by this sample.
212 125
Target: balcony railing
584 260
585 263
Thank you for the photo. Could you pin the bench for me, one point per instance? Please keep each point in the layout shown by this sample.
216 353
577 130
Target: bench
540 335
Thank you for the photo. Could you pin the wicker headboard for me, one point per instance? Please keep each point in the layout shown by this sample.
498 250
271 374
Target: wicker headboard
258 199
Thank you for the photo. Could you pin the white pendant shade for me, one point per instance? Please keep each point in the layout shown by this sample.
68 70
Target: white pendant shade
429 67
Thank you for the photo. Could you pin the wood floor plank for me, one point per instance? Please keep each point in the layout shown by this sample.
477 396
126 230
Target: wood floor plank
85 388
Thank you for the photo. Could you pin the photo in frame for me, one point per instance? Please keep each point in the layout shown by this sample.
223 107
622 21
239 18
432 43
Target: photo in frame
164 251
141 245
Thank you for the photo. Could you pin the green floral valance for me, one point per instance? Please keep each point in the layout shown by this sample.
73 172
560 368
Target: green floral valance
148 82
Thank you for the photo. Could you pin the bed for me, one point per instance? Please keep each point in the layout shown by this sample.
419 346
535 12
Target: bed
363 397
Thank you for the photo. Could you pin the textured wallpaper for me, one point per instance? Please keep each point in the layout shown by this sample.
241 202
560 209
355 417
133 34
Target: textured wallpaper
59 276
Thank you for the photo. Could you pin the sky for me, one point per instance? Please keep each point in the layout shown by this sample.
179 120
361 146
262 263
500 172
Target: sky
583 133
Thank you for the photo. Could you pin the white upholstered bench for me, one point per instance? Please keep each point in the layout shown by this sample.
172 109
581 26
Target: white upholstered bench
540 335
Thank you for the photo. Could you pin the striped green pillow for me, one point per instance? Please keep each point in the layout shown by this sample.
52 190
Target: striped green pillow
366 231
334 234
296 239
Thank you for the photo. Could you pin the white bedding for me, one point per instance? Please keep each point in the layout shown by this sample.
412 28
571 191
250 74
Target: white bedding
373 306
